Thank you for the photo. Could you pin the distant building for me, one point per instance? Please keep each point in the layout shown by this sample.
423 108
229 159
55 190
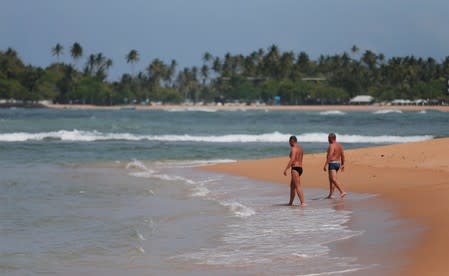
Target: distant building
362 99
409 102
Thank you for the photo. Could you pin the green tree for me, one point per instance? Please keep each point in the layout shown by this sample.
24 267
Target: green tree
354 50
97 66
132 57
76 51
57 51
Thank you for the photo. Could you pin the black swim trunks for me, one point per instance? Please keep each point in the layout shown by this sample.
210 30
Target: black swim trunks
298 169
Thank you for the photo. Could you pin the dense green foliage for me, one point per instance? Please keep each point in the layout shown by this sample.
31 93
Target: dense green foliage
259 76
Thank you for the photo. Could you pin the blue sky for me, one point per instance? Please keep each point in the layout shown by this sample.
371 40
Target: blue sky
185 29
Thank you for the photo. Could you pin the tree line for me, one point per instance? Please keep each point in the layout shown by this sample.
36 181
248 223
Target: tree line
263 75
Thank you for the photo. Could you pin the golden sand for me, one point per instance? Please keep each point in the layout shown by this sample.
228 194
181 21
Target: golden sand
415 176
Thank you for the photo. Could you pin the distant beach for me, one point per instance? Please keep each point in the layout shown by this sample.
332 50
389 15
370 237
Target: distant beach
255 107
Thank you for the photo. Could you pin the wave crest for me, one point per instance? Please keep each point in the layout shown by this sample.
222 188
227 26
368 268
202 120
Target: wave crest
333 112
387 111
274 137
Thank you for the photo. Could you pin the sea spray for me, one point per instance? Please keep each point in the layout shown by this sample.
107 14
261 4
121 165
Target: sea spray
275 137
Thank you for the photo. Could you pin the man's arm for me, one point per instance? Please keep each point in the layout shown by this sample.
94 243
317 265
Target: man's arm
327 157
290 162
342 158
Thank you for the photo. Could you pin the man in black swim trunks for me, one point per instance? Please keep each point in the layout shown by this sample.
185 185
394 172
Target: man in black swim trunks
295 166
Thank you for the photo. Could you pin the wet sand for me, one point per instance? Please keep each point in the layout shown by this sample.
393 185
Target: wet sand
412 177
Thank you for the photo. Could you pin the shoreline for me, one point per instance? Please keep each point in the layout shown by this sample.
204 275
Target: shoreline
412 177
373 107
379 248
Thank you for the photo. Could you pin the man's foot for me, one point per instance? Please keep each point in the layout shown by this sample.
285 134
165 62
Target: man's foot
303 204
290 204
328 197
343 195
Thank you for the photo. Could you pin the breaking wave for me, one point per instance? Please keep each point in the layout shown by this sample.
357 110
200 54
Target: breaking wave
274 137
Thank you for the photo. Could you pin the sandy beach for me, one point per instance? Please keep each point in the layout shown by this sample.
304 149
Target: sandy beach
413 177
373 107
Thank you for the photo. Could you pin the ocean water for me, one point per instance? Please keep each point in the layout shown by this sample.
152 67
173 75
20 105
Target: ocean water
114 192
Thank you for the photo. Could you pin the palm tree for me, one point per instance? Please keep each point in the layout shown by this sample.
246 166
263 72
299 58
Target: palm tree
271 61
11 52
132 57
76 51
204 73
157 70
98 66
303 62
355 50
90 65
250 66
57 51
227 65
103 65
207 57
171 72
286 62
188 83
207 62
217 66
370 59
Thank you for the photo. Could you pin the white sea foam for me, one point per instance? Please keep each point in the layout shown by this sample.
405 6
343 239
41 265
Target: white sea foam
141 237
260 238
135 164
198 188
301 255
387 111
332 112
200 191
239 209
144 172
197 163
167 177
192 109
141 174
338 272
274 137
347 138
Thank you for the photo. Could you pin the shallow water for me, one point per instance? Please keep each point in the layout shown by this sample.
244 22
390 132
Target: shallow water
165 218
117 192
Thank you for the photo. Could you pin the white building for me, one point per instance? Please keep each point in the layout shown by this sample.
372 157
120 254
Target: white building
361 99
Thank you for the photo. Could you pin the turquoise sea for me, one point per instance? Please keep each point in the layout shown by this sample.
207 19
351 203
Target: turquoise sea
115 192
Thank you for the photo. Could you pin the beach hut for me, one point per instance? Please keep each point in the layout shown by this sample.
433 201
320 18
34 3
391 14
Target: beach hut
361 99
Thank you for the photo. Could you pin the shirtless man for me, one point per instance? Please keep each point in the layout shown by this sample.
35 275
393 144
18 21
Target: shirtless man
295 166
335 160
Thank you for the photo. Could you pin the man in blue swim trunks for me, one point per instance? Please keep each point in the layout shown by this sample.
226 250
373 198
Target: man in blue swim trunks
335 160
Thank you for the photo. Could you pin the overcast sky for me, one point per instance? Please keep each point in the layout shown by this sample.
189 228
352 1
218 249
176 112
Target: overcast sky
185 29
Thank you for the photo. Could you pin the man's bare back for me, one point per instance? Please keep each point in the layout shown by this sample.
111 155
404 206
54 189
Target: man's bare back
335 153
296 156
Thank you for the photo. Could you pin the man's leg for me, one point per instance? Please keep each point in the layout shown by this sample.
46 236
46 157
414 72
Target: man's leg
292 191
298 188
333 176
331 185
